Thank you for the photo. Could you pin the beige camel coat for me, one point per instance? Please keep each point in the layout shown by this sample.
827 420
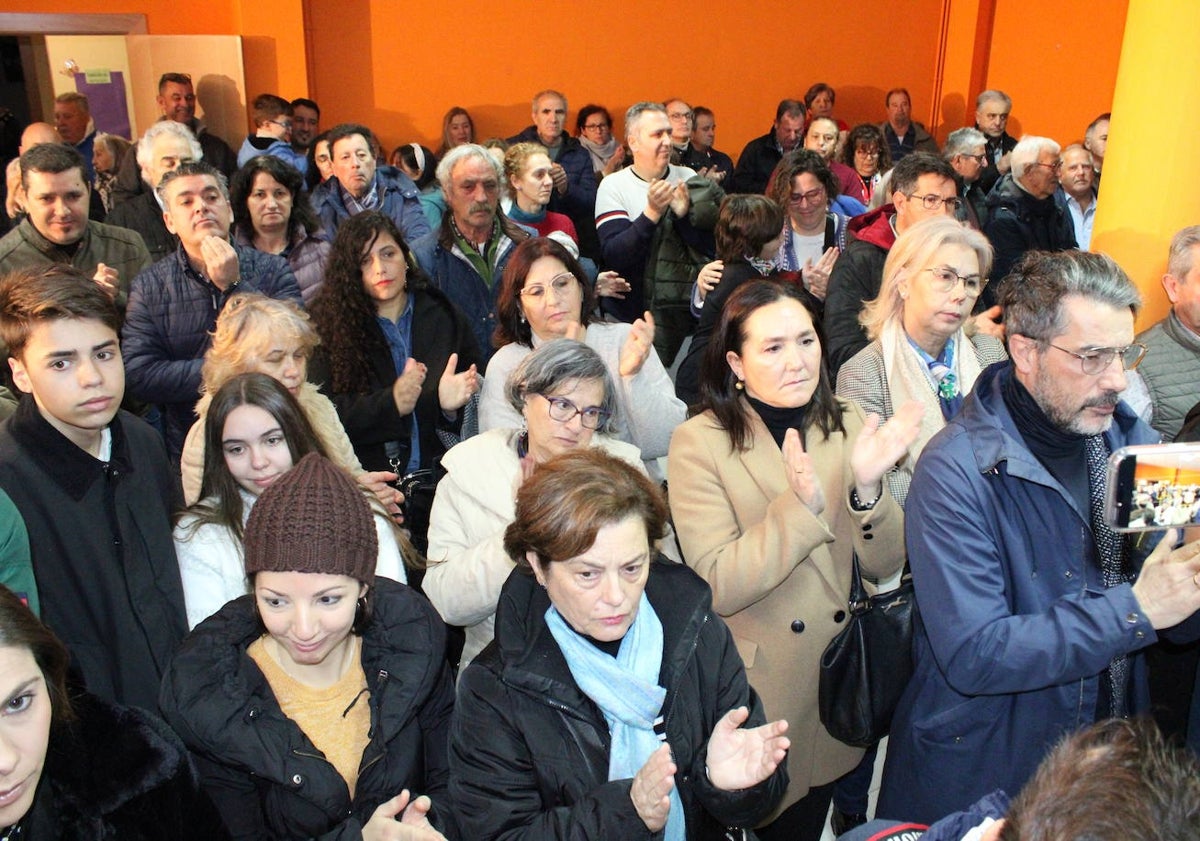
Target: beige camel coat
780 575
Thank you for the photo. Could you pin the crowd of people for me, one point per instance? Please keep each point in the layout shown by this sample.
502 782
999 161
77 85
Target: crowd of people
653 407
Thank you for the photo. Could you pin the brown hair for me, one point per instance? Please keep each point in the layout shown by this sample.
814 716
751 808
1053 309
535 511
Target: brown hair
49 293
744 225
20 629
510 323
1117 780
566 502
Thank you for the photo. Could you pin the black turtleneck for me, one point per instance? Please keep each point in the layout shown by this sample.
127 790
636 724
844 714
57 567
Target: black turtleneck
1061 452
778 420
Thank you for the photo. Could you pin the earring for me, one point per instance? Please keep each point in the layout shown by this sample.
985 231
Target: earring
739 385
521 317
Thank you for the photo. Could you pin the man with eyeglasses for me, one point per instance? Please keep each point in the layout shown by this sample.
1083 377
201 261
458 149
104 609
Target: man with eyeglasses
177 101
922 187
1171 372
1022 212
683 153
965 152
1034 613
272 133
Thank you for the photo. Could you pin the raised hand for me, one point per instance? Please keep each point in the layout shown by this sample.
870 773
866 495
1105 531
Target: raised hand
407 387
990 322
107 278
816 275
609 284
638 345
878 448
559 176
1168 587
220 261
738 758
680 199
379 483
454 390
708 277
802 473
651 789
659 196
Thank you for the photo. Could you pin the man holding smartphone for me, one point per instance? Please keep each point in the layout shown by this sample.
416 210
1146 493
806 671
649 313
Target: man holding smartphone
1033 611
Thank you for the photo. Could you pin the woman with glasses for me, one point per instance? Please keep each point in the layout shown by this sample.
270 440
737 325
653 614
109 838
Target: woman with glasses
593 127
544 295
776 485
866 152
396 357
805 189
566 401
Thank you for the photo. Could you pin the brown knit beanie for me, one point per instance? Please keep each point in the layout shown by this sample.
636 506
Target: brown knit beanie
312 519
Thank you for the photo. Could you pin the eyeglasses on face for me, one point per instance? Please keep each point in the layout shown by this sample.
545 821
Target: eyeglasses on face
560 285
1056 166
562 410
945 279
1096 360
594 126
932 201
811 197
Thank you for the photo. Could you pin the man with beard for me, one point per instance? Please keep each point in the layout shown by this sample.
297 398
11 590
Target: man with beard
306 123
1078 192
1034 613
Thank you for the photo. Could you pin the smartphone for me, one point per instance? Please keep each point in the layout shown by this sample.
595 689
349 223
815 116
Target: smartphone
1153 487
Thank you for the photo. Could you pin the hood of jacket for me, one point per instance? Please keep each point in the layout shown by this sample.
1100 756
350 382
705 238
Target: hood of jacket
875 227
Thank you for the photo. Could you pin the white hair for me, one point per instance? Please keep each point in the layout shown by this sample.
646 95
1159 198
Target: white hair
1027 151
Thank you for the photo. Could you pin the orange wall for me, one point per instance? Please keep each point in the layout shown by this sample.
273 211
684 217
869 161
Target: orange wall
733 59
1058 62
399 65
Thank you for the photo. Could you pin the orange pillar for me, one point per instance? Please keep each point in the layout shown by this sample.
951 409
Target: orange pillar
1152 164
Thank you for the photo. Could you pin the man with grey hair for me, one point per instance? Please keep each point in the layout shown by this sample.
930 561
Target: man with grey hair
574 192
465 257
174 304
1171 372
1037 611
1022 212
636 209
163 147
992 108
965 151
1077 192
73 120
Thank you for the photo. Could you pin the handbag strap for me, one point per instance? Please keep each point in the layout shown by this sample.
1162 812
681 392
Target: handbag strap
859 601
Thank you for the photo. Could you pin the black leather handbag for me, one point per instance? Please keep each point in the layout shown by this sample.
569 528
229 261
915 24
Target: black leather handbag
865 668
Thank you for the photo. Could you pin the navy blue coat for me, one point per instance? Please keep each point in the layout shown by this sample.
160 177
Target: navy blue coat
401 202
171 312
1016 625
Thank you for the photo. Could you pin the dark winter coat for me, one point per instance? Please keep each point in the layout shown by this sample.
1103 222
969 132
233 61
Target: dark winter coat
755 165
171 314
1016 625
371 419
856 278
1018 222
401 203
103 558
264 774
118 773
143 215
529 751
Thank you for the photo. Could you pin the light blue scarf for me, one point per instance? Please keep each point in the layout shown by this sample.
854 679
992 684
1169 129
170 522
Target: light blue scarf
626 690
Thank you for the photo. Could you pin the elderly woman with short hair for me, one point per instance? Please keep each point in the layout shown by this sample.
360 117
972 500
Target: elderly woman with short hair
567 400
272 214
919 346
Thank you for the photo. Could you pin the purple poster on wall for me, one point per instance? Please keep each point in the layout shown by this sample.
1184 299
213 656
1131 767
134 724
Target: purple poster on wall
105 91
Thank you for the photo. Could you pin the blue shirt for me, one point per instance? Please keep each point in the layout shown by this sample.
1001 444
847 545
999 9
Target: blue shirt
398 334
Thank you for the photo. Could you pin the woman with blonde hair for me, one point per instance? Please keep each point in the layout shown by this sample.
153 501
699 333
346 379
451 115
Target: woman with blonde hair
260 334
920 349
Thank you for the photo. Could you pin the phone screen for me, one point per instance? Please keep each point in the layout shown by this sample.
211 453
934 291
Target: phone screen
1153 487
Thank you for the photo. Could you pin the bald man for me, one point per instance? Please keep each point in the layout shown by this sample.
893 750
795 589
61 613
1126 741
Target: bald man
34 134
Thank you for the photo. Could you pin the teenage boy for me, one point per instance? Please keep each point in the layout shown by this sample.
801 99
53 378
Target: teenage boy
272 133
92 484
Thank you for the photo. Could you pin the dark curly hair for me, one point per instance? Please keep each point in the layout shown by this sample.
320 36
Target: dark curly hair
343 312
867 133
303 215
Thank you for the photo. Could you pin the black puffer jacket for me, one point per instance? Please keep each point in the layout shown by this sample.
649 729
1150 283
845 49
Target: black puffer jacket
118 772
529 751
1018 222
263 773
